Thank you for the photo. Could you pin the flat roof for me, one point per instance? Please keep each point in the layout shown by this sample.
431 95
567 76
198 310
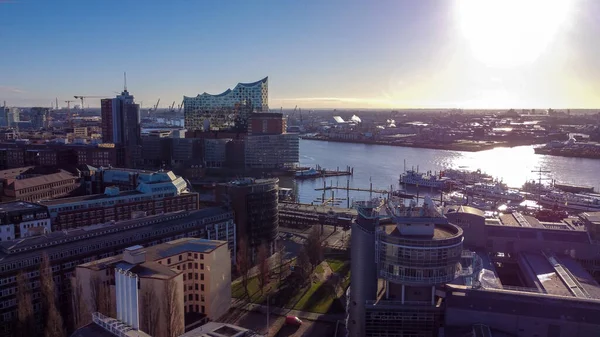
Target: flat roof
217 329
14 206
440 231
150 267
60 201
545 275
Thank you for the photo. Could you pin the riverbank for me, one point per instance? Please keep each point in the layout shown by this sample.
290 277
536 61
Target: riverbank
571 153
463 145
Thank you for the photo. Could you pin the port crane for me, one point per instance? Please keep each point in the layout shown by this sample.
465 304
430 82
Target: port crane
69 119
179 107
171 108
81 97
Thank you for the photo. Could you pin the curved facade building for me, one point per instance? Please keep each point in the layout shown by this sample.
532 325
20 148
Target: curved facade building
224 110
255 204
414 256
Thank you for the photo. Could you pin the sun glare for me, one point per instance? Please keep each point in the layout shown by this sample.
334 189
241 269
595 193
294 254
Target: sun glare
510 33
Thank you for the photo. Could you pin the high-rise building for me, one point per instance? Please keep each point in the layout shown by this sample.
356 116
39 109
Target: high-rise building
227 110
520 276
255 204
121 126
39 117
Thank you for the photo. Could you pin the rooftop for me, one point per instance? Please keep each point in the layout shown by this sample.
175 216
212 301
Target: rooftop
216 329
15 206
105 232
151 268
60 201
440 232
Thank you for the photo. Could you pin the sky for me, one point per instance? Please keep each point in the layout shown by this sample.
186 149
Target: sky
387 54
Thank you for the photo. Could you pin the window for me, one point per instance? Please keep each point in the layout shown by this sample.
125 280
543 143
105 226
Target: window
196 276
180 257
202 309
202 287
196 265
202 298
168 261
202 277
197 296
201 266
201 256
197 286
190 265
190 297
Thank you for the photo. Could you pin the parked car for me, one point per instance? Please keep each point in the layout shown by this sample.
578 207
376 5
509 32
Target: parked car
293 320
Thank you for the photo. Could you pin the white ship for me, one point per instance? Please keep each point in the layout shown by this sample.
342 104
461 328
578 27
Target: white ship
427 179
579 202
467 177
494 191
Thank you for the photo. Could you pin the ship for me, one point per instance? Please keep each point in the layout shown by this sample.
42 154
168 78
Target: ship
419 179
572 201
536 188
467 177
494 191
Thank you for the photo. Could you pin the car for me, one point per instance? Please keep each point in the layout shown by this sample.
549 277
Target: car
293 320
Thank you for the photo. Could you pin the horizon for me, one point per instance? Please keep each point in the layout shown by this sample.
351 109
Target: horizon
470 54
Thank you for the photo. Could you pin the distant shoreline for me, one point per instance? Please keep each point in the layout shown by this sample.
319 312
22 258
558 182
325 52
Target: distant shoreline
450 147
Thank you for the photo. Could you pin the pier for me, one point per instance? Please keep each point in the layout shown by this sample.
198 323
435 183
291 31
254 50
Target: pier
319 172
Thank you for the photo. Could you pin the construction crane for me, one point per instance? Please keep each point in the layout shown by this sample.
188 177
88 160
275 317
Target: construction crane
69 118
171 109
179 107
156 106
81 97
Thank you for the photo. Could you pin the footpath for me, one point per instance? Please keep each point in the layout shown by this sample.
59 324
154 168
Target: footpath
312 316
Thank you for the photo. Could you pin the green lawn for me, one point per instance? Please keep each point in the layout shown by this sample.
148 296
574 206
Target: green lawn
314 297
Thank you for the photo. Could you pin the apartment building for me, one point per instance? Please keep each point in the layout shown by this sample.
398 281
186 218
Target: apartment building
20 219
161 192
202 269
34 183
70 248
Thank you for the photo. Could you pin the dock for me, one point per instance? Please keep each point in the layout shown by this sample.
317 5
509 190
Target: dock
319 172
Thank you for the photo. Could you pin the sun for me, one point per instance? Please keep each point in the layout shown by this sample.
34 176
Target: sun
510 33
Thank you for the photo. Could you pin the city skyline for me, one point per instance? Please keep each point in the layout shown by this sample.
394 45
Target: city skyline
336 54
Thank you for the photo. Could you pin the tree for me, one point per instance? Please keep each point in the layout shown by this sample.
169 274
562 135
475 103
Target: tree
314 247
303 266
25 319
171 300
264 269
51 316
281 252
243 263
80 313
99 296
150 312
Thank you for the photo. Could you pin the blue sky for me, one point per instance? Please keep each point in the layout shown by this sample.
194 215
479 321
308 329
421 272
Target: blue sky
317 54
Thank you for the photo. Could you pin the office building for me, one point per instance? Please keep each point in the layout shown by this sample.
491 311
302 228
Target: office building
201 270
13 117
39 117
215 152
34 183
156 193
279 151
227 110
458 272
121 126
69 248
255 204
20 219
25 153
269 123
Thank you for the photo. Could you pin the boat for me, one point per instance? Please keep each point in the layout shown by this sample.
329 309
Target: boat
494 191
536 188
578 202
412 177
305 174
467 177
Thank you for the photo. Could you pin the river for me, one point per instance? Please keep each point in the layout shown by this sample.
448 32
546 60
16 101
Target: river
382 166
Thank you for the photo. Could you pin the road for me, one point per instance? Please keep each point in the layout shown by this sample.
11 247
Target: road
293 239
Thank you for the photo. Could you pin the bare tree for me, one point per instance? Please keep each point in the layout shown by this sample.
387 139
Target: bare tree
281 252
171 298
314 247
150 312
243 263
264 269
54 324
25 319
303 266
51 316
80 313
99 296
